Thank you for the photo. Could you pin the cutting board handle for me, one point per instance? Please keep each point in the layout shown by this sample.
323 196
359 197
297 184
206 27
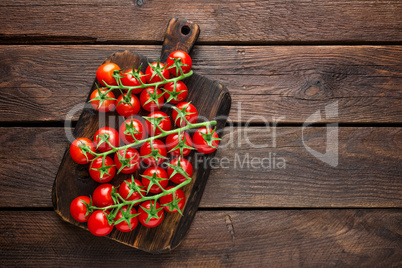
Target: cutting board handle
181 34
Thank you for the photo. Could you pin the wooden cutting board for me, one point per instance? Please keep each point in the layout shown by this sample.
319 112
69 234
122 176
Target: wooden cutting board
213 102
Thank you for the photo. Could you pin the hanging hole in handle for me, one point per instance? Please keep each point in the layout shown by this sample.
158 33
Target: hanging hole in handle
185 30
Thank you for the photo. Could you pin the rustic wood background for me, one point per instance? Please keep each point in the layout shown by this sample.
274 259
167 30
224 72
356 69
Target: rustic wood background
277 58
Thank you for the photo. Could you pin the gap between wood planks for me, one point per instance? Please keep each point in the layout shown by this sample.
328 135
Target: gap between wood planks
55 124
16 209
55 40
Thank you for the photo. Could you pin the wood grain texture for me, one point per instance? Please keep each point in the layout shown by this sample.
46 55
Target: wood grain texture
368 174
236 21
291 238
42 83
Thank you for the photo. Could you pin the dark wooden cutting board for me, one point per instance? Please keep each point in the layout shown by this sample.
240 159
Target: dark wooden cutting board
213 103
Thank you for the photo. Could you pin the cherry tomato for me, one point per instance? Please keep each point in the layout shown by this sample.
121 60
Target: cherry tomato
130 81
102 196
128 109
105 73
151 176
185 59
177 95
156 154
103 102
98 224
152 76
163 124
172 141
78 155
200 141
100 174
185 165
171 206
130 130
104 134
156 214
152 100
123 226
188 110
127 163
127 191
79 210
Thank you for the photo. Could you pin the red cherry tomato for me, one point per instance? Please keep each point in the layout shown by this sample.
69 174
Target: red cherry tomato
78 155
103 102
157 152
177 95
151 176
164 124
127 191
201 145
171 206
130 81
172 141
188 110
130 129
156 216
123 226
128 109
98 224
105 73
103 134
127 163
185 59
78 209
152 76
185 165
102 196
152 100
104 175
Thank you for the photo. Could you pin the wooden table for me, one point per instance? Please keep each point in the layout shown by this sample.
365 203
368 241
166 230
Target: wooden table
279 59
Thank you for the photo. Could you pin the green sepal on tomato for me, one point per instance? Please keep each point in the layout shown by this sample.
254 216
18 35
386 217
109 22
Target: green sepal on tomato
102 169
156 72
151 214
153 153
152 99
179 144
80 151
79 208
127 160
205 140
132 130
184 112
173 203
129 79
174 94
156 122
177 168
179 59
106 138
102 100
152 178
127 106
131 190
126 220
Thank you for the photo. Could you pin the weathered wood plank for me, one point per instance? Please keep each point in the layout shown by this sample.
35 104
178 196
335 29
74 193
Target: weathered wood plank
290 238
220 21
43 83
368 174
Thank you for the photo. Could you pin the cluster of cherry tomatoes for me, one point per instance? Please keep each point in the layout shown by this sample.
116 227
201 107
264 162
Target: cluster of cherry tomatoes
155 179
